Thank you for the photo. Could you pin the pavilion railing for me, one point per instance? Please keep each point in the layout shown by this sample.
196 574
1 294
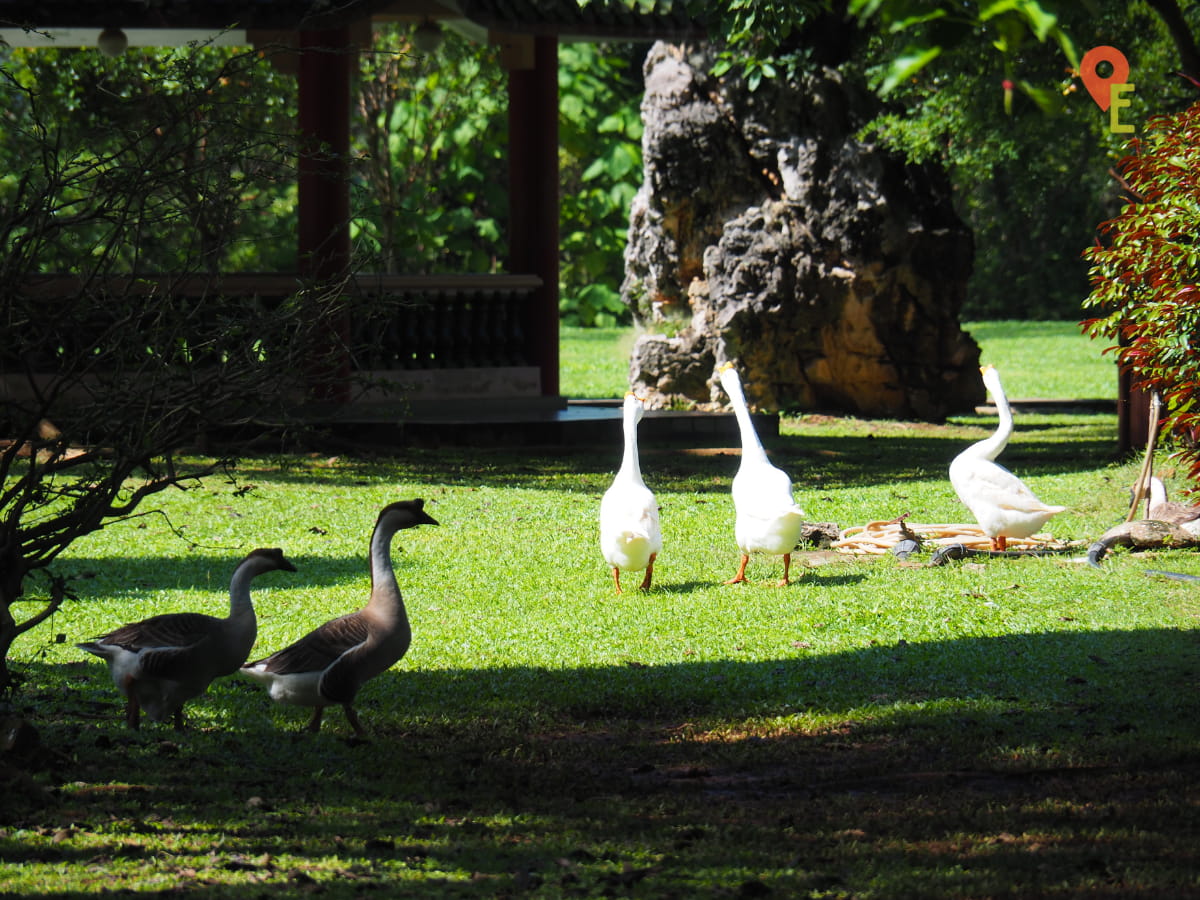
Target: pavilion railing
401 322
445 322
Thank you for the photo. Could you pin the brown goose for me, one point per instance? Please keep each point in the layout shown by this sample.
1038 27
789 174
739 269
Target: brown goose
1184 515
162 662
330 663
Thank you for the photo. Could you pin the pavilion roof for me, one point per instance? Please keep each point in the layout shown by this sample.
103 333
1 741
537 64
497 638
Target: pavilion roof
599 19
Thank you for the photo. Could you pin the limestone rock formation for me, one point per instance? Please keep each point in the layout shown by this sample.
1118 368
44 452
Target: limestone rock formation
767 234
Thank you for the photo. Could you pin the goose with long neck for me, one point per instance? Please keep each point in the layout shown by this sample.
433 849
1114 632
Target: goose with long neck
1002 504
630 536
329 664
767 519
160 663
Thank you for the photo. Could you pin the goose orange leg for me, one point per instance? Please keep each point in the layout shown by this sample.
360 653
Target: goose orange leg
787 564
133 714
1000 543
741 572
133 711
617 578
352 718
649 572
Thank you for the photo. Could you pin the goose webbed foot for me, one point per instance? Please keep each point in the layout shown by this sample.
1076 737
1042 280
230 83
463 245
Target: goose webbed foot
741 572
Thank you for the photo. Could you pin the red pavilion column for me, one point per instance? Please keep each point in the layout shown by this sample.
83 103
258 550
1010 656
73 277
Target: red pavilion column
533 193
323 241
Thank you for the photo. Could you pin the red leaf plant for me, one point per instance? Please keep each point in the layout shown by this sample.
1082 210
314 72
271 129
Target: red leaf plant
1145 276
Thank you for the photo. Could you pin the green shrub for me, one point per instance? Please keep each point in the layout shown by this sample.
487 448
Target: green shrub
1144 278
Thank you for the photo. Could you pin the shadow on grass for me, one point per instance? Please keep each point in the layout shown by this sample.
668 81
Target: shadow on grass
1066 686
132 576
973 767
898 452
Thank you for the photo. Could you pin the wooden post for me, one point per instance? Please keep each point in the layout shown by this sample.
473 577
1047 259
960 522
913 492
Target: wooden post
323 242
533 192
1133 411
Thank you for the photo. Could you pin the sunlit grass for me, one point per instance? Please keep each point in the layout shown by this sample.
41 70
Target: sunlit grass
1043 360
873 730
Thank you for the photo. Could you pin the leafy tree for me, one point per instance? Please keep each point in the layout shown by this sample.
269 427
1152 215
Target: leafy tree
1146 274
108 373
432 131
92 103
989 90
600 130
1030 163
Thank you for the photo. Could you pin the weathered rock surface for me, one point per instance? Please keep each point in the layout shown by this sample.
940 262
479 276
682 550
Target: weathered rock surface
766 234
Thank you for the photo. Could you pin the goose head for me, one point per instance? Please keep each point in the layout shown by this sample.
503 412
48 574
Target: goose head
991 380
633 408
727 374
404 514
266 559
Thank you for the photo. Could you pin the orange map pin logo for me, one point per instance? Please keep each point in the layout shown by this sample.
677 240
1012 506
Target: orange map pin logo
1108 90
1101 87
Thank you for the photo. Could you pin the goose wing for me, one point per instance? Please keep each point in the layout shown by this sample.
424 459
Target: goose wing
341 681
996 486
630 508
763 491
318 649
171 630
171 663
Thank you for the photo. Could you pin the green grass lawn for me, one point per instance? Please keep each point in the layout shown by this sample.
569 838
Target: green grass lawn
1046 360
989 728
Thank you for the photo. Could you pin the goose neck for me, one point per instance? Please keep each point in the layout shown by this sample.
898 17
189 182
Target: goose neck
385 592
991 447
240 603
752 448
630 463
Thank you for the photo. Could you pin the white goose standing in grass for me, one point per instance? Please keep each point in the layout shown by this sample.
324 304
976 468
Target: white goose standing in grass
767 518
1002 504
329 664
630 537
162 662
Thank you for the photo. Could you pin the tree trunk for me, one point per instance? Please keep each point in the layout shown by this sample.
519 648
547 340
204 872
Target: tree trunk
1181 34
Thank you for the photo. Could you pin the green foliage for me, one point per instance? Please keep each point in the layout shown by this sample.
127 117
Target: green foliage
1145 274
432 134
101 115
931 29
761 37
1030 170
431 131
600 130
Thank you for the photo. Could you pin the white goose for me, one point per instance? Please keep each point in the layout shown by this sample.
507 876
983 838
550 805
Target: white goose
630 536
1002 504
162 662
767 517
329 664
